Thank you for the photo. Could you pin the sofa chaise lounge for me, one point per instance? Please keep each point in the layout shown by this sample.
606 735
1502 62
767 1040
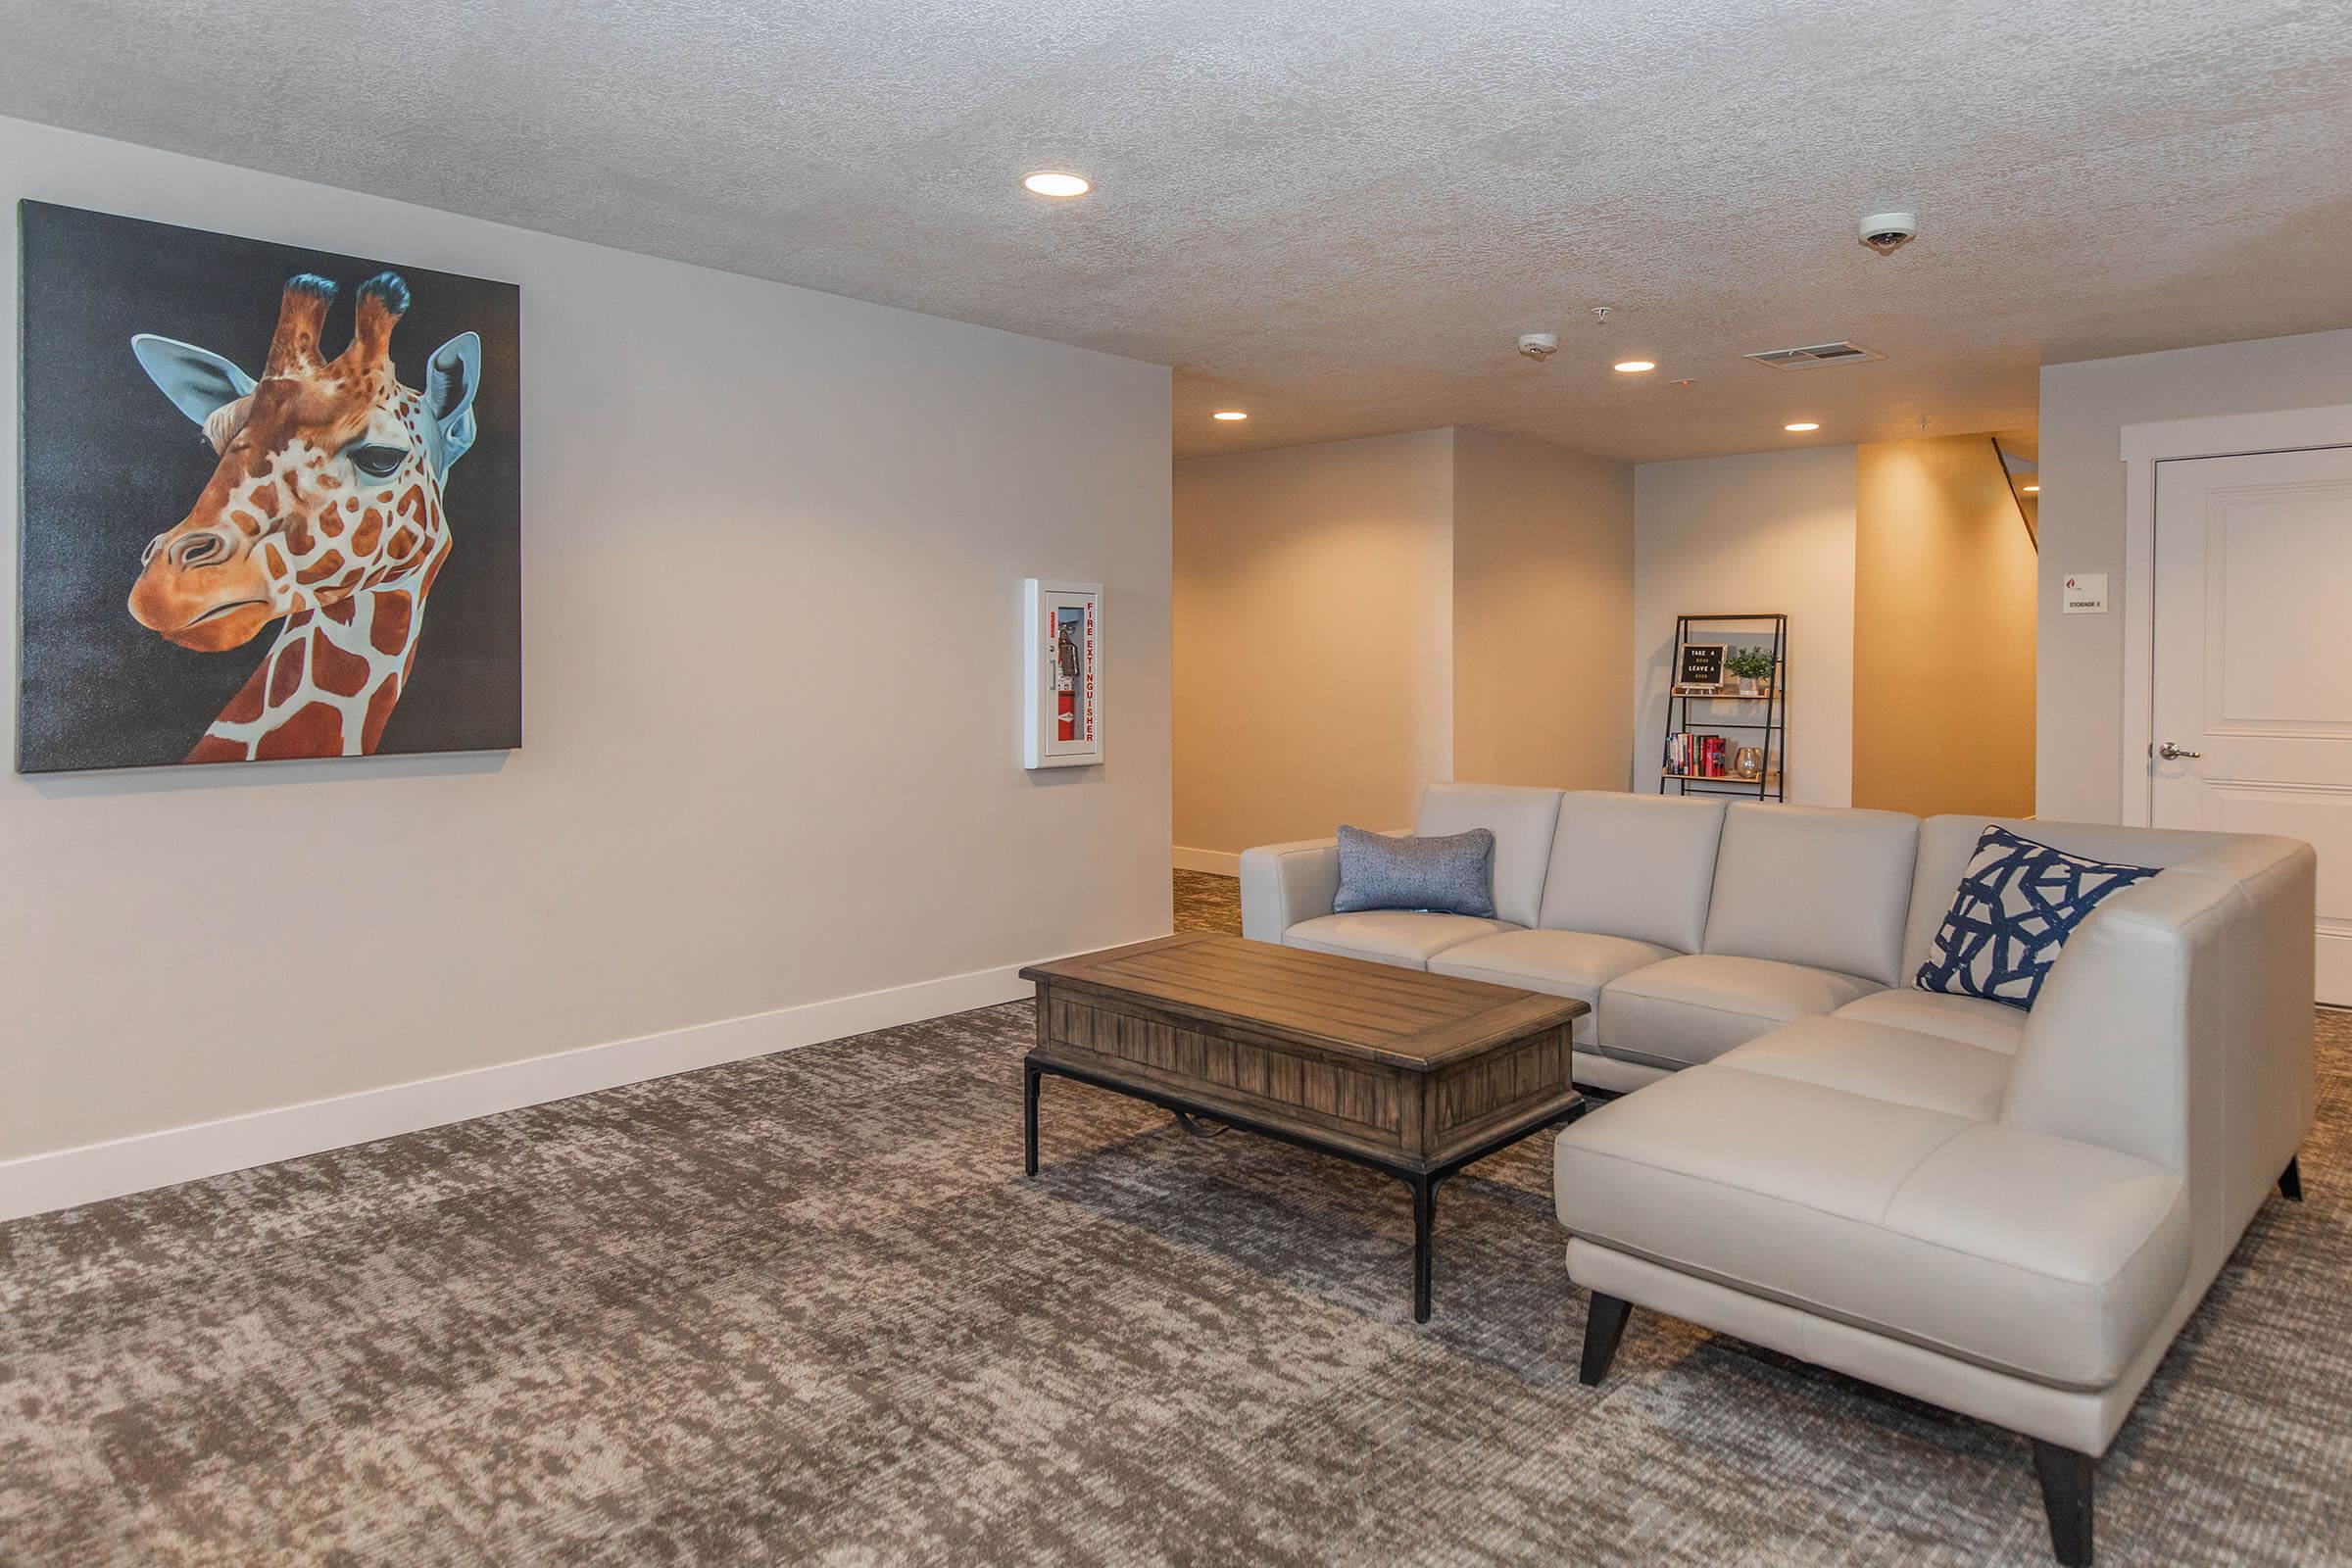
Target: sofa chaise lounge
2009 1212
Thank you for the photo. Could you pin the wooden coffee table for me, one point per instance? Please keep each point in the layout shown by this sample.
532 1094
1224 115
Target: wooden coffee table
1411 1073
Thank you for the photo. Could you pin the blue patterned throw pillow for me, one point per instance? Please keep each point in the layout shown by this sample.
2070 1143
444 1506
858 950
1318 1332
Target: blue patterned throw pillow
2018 903
1449 875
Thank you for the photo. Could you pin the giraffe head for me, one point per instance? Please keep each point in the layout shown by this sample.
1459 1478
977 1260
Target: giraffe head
329 472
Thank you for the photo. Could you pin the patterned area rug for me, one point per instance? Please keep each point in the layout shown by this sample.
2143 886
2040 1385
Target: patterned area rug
804 1308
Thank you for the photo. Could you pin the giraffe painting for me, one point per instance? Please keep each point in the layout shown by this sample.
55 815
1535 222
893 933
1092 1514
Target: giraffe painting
278 595
324 511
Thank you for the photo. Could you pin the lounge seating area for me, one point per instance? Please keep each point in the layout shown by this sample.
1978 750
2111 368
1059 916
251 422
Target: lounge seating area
2006 1211
1116 785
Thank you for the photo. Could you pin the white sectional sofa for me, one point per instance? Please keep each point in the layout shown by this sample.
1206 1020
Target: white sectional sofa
2007 1212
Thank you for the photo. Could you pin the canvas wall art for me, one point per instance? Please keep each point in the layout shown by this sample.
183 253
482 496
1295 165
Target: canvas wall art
1061 670
272 501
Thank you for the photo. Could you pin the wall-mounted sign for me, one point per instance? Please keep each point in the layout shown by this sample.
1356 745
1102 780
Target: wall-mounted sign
1698 664
2084 592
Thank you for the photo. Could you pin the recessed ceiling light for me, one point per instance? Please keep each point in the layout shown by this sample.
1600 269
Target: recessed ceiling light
1634 367
1051 184
1801 426
1229 413
2030 489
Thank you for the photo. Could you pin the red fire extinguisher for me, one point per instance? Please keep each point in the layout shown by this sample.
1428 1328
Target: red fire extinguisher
1065 691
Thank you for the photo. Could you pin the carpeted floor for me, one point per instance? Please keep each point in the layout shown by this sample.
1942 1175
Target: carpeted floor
804 1308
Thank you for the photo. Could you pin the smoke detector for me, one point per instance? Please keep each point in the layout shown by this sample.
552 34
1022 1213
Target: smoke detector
1538 346
1888 232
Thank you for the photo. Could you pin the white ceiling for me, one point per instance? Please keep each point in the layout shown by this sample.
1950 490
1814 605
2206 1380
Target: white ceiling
1341 216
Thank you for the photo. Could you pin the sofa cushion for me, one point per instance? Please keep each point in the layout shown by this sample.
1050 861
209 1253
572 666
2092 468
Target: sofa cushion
1992 1025
2037 1256
1449 875
1639 866
1694 1008
1390 936
1522 821
1899 1066
2017 904
1564 964
1816 886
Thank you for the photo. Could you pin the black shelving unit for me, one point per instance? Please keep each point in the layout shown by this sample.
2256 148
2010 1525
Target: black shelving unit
1773 783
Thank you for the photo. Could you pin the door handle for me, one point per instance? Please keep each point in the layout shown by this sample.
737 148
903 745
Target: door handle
2171 753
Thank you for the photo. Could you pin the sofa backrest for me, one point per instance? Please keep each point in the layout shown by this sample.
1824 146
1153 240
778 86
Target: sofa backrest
1946 842
1814 885
1522 821
1633 866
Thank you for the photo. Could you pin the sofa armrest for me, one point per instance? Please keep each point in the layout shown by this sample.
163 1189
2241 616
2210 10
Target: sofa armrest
2269 1065
2177 1026
1283 884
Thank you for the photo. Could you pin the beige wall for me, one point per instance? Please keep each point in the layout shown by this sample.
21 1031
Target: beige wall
1314 623
1542 600
1358 619
773 544
1944 631
1767 531
2084 407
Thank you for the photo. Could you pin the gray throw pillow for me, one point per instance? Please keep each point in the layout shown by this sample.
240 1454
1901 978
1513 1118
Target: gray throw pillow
1449 875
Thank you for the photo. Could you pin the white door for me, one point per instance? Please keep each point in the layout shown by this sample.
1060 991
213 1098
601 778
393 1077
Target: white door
2253 663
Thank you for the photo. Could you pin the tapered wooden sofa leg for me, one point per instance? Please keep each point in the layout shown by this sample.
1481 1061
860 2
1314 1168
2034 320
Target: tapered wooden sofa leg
2290 1181
2066 1483
1604 1326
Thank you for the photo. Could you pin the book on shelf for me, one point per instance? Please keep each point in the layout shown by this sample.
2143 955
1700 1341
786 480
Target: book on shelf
1689 754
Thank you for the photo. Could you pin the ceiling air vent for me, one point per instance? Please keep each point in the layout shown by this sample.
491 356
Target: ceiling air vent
1807 358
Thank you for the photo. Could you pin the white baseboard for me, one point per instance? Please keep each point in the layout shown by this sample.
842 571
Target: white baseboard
65 1178
1215 862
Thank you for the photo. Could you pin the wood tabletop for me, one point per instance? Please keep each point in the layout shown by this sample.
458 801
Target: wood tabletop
1406 1018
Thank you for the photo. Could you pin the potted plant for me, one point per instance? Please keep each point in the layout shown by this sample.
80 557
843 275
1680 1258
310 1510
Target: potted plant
1753 666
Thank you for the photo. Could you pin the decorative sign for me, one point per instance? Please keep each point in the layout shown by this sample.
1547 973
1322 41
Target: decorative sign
1698 664
1061 721
2086 593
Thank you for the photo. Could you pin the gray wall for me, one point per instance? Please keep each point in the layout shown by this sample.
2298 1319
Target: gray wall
773 542
2084 405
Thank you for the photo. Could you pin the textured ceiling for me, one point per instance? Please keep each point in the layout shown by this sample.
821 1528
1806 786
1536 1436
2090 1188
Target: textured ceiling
1341 216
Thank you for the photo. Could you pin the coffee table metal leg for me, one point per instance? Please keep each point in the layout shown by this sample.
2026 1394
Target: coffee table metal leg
1425 1209
1029 1115
1422 1185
